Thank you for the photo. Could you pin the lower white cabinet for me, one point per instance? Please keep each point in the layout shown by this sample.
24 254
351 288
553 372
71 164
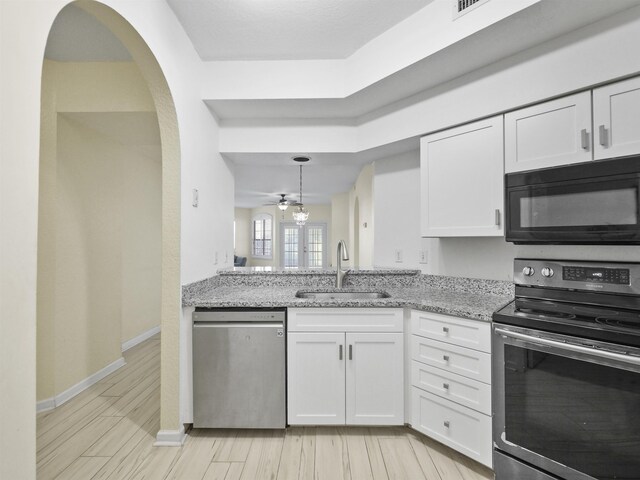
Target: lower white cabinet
451 382
337 378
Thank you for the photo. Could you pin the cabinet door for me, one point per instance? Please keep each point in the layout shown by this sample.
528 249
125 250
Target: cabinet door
461 173
616 119
548 134
316 378
375 379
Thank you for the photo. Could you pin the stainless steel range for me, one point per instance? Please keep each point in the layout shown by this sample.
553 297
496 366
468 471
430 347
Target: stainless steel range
566 373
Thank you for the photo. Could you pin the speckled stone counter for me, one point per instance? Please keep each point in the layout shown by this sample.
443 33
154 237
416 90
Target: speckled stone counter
462 297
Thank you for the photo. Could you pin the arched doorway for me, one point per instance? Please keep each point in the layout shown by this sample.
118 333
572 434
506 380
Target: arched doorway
98 181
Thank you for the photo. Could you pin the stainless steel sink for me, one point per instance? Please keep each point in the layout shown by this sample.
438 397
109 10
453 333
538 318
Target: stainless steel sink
349 295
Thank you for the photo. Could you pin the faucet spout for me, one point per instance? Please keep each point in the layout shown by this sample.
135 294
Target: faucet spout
343 255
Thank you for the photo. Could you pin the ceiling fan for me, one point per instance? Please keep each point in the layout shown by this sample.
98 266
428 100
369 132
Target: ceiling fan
283 203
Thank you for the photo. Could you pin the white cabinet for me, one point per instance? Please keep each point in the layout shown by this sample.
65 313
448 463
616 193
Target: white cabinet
462 180
548 134
451 382
616 119
316 378
346 375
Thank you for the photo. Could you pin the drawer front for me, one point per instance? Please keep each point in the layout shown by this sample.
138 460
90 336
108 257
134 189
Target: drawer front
463 429
345 320
474 334
459 360
462 390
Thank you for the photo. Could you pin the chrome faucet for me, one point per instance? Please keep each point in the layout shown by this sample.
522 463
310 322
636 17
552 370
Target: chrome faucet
343 254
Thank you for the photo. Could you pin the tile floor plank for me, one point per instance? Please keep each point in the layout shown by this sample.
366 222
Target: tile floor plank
332 457
359 462
291 454
217 471
195 457
400 460
264 455
308 453
83 468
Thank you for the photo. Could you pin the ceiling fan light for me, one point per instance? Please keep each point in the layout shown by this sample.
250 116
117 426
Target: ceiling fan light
283 206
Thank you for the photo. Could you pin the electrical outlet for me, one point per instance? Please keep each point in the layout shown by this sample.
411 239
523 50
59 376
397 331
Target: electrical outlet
398 255
215 258
424 256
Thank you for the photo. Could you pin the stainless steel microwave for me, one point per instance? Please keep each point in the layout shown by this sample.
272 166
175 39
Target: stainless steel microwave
591 203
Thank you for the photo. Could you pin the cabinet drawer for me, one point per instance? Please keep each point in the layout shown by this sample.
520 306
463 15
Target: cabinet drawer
459 331
463 429
344 320
462 361
465 391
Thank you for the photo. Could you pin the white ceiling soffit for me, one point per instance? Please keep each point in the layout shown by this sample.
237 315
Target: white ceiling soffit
525 29
77 36
260 178
287 29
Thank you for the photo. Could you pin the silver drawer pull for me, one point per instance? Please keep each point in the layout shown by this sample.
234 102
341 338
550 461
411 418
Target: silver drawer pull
445 386
340 352
350 352
445 358
445 329
446 423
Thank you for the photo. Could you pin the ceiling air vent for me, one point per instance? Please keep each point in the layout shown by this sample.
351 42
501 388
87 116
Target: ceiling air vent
460 7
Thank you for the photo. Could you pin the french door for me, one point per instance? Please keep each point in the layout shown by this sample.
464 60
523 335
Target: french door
303 246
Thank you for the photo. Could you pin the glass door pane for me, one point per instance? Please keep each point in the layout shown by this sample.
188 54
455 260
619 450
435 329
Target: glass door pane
315 246
291 246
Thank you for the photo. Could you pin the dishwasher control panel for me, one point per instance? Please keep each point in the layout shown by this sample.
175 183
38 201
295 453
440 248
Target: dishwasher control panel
238 315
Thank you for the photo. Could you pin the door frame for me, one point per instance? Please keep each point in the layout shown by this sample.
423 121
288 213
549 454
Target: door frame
304 240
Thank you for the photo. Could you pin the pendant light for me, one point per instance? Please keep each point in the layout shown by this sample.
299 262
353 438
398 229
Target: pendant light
301 214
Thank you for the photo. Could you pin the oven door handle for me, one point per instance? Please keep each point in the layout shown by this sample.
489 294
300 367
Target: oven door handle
620 357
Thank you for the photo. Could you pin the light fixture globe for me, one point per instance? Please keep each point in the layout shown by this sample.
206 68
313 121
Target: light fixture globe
300 215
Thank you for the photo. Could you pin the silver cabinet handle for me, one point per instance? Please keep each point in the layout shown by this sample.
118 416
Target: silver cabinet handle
340 352
350 352
584 139
603 137
497 213
446 423
445 329
445 386
445 358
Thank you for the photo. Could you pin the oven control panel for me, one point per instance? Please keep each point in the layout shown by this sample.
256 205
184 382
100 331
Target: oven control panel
578 275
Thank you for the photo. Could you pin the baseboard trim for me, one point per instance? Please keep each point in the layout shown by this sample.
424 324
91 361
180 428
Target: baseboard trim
140 338
68 394
170 438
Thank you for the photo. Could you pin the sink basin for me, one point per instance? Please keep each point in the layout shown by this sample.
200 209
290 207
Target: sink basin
349 295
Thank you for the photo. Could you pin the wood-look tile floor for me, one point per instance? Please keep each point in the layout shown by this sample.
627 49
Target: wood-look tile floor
107 432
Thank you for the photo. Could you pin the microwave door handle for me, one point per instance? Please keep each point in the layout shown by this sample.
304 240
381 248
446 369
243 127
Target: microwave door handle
570 347
584 138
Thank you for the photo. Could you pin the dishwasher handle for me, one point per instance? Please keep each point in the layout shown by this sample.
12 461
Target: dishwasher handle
237 325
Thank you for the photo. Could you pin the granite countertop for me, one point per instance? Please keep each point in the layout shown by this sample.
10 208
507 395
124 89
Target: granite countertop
476 305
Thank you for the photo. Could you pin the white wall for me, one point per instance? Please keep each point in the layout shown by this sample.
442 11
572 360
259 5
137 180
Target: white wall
339 225
243 233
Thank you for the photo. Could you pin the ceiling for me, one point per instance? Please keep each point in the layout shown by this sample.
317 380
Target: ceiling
287 29
313 29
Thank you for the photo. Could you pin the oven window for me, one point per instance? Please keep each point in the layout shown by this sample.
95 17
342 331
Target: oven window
605 207
580 414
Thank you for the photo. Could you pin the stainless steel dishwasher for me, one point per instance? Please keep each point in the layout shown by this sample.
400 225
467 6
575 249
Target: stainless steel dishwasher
239 368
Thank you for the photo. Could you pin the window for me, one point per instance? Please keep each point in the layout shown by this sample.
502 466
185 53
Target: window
262 238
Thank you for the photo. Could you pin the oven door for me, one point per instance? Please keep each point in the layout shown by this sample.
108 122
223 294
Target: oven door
594 203
567 406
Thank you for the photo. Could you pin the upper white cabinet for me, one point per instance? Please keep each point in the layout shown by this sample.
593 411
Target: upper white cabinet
549 134
616 119
462 180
